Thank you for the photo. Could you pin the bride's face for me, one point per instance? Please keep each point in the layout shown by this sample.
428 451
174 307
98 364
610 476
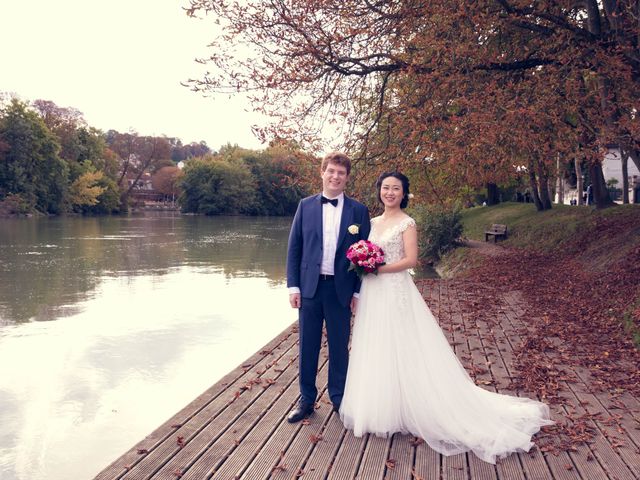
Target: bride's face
391 192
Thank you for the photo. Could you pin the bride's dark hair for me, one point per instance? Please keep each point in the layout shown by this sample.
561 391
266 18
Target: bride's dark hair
405 186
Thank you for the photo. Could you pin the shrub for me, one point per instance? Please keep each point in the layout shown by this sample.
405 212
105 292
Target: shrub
438 230
15 204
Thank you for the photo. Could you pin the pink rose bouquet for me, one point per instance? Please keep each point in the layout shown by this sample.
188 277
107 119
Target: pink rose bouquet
365 257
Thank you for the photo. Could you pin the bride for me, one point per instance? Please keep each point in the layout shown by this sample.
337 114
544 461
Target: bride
403 376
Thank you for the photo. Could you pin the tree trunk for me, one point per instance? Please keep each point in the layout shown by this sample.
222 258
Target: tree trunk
579 185
543 182
559 182
493 197
534 188
599 187
625 175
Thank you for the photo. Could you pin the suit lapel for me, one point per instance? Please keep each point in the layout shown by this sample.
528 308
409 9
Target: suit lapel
317 213
347 216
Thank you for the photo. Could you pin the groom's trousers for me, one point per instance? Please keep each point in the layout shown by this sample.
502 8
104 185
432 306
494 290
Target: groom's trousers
324 306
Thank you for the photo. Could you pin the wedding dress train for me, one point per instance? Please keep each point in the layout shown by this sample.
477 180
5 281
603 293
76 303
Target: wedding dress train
404 376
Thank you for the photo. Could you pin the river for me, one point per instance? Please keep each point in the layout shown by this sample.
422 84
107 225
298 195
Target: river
108 326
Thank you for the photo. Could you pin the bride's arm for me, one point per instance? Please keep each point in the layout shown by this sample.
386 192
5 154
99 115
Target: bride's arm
410 259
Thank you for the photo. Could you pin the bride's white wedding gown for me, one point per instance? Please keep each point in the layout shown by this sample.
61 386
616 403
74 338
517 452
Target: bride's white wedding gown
404 377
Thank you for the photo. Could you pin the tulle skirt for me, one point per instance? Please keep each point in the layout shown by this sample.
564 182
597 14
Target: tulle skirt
404 377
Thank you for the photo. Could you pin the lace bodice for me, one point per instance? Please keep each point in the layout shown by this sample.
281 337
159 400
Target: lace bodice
390 239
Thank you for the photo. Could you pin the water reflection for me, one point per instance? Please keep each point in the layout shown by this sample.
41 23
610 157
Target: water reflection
149 312
47 266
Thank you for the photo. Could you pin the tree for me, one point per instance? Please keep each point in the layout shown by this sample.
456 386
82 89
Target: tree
217 187
29 162
180 152
85 190
81 146
283 174
63 122
166 181
473 86
138 154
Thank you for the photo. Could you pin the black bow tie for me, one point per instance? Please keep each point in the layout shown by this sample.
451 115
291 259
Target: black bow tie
333 202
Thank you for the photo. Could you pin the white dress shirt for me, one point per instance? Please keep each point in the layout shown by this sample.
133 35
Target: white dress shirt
330 228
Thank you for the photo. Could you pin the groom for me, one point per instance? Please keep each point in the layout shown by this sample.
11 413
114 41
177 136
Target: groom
319 284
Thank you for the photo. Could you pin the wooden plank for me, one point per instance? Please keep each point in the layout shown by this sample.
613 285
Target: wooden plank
321 458
347 461
376 453
533 463
212 445
582 458
236 463
510 467
246 435
400 461
621 462
221 412
427 464
259 360
455 467
620 412
470 348
273 452
308 437
562 465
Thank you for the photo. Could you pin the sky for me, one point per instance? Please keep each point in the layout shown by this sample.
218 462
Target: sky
120 63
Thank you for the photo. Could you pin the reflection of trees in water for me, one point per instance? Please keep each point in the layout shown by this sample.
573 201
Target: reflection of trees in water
241 252
49 265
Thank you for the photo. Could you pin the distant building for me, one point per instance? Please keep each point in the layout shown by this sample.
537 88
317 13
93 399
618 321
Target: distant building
612 166
143 183
611 169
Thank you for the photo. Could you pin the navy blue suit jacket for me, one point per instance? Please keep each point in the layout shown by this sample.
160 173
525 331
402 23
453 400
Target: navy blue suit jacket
304 253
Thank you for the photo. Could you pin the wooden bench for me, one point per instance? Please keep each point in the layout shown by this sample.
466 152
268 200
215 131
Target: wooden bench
497 230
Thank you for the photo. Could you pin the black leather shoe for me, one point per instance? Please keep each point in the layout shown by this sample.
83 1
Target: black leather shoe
302 411
336 408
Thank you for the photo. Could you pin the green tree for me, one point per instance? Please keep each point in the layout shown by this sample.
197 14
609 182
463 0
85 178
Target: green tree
214 186
29 162
281 175
108 200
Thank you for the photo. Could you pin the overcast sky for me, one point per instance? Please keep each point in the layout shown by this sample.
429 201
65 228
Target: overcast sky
120 62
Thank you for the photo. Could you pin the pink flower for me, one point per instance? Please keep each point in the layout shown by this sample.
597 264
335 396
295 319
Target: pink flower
365 257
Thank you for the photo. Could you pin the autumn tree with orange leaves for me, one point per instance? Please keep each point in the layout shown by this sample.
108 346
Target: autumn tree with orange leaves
472 91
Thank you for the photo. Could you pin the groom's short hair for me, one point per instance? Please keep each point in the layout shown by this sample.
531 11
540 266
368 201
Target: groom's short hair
338 158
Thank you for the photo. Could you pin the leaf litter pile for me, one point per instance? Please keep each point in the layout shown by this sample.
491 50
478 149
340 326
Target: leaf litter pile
571 330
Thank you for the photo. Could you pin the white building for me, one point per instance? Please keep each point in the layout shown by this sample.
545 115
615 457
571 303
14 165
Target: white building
612 166
611 169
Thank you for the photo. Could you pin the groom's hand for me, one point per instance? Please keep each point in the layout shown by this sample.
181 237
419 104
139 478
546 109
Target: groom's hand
354 305
294 300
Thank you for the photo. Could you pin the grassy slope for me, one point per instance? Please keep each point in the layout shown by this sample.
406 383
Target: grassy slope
561 228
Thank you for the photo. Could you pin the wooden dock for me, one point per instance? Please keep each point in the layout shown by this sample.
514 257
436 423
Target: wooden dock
237 429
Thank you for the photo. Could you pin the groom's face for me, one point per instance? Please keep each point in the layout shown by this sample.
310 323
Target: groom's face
334 179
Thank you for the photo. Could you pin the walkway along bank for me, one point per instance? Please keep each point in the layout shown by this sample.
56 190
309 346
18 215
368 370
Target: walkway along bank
237 429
